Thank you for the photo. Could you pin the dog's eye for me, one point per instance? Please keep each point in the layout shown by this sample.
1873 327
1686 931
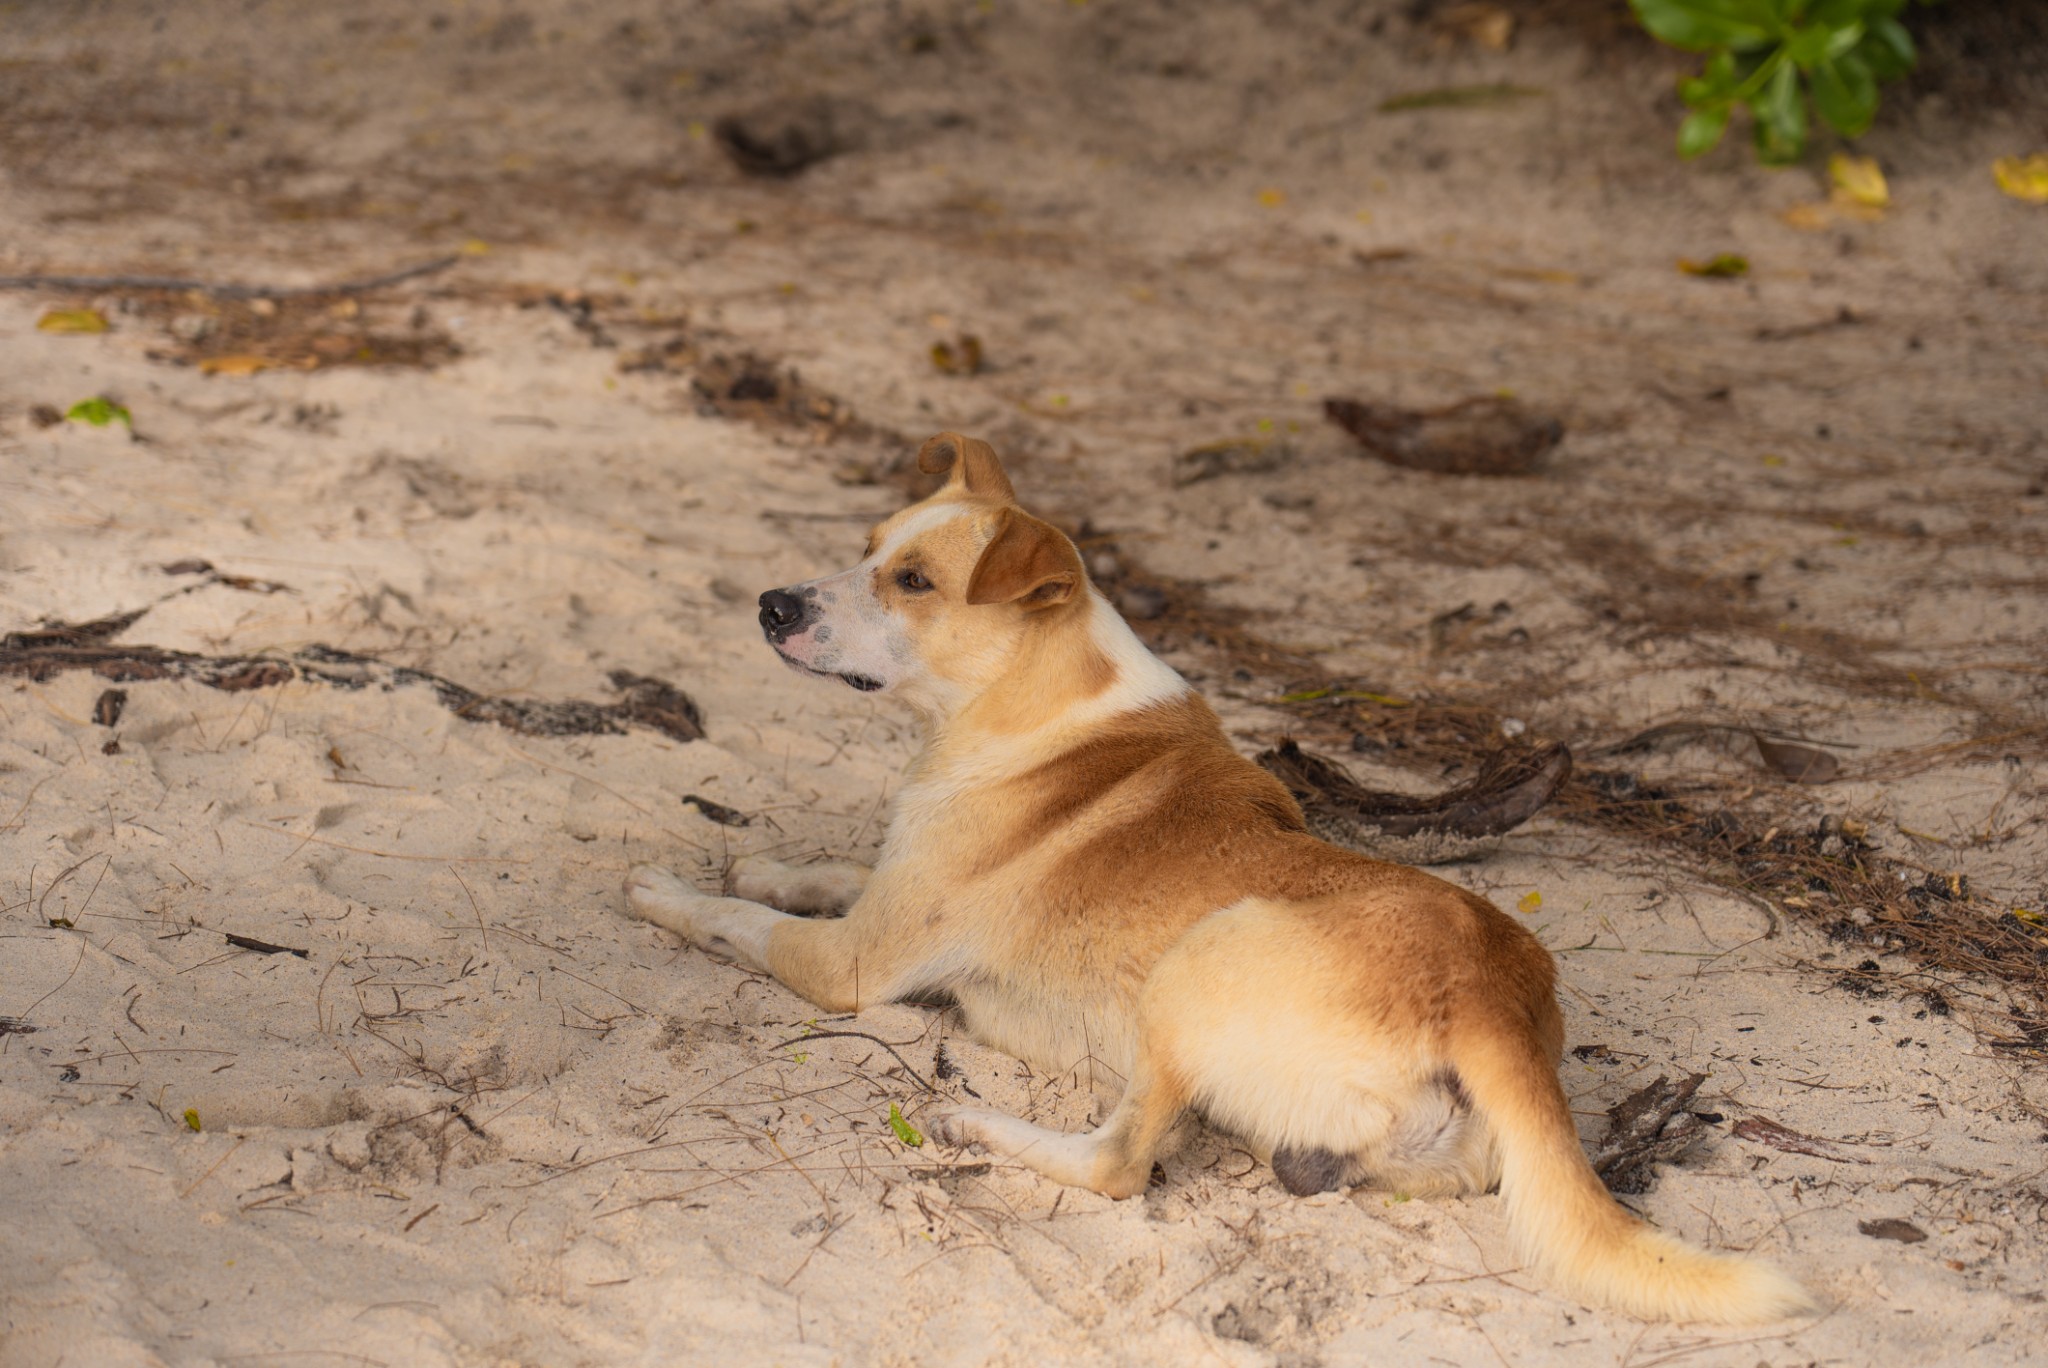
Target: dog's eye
915 582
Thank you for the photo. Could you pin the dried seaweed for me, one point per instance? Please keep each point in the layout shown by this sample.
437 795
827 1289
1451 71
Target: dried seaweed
1512 784
44 653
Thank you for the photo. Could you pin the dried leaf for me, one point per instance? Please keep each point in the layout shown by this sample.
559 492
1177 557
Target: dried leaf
1800 764
1720 266
1490 435
1891 1228
958 358
2024 178
72 321
718 812
238 364
1859 180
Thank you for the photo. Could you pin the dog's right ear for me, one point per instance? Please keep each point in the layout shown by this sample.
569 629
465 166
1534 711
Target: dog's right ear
973 464
1028 561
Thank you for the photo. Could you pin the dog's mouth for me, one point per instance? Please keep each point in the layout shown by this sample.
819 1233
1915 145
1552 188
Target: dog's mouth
865 683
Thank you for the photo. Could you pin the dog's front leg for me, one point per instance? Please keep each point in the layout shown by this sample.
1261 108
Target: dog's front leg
822 888
835 963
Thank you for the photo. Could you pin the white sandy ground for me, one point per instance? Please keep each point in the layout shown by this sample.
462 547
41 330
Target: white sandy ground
489 1120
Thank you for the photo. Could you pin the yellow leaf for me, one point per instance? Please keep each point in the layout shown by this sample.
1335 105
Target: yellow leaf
239 364
1272 199
192 1117
2024 178
72 321
2027 914
1859 180
1530 901
475 247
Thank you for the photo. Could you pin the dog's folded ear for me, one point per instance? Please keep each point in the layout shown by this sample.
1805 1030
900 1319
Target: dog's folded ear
972 462
1027 561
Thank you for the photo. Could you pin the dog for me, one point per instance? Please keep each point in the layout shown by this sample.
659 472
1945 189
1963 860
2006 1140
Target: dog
1086 866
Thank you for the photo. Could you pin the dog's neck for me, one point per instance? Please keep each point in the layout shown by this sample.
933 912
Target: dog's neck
1076 672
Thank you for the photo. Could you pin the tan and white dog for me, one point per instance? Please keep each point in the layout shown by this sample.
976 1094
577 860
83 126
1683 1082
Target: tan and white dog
1082 861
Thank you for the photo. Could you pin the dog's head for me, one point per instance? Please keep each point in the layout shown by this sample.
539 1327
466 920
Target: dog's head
945 596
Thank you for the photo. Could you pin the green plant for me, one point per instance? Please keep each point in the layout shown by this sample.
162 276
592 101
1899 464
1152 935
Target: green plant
1772 55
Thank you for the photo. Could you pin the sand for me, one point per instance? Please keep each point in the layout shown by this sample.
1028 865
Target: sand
485 1118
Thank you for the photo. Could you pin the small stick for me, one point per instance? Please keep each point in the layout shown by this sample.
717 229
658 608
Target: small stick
229 291
861 1035
262 947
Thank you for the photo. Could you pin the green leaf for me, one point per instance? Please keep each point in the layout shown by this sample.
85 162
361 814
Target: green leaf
1700 24
1888 48
1808 46
905 1132
1845 93
1701 132
192 1117
1842 13
1715 83
98 412
1780 118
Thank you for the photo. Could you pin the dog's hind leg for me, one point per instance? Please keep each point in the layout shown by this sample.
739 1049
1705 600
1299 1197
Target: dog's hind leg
823 888
1114 1159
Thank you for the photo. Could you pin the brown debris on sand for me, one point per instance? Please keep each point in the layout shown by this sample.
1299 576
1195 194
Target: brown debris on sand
779 140
1485 436
1762 1130
1652 1125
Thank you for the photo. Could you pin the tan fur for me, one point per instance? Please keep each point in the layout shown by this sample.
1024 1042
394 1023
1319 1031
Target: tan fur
1081 859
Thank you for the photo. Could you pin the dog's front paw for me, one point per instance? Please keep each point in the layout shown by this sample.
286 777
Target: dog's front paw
757 878
658 896
954 1125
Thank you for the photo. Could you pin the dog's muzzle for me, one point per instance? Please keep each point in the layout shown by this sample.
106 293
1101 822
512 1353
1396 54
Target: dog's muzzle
783 615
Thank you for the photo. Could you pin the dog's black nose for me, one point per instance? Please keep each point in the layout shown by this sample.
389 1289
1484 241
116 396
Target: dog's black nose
781 611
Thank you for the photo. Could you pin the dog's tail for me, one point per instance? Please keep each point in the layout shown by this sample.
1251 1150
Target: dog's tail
1570 1230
